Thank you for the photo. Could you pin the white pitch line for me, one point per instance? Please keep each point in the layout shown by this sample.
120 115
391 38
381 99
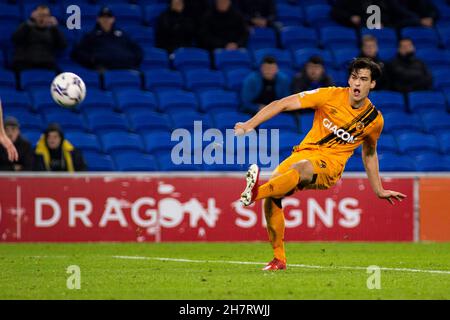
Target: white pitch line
289 265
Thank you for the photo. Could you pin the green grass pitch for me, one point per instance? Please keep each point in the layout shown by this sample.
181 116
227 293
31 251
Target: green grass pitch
216 271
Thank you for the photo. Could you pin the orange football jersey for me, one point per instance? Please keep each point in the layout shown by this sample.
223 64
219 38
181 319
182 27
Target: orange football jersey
338 129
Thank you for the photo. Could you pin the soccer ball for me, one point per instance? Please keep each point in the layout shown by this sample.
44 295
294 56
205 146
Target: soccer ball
68 89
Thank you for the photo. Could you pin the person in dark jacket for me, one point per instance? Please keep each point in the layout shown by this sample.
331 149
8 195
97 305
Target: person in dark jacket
369 49
174 28
55 153
107 47
23 147
223 27
258 13
406 71
264 86
410 13
37 41
353 13
312 76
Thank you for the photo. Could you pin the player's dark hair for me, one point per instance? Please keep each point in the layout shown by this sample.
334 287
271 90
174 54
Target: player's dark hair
269 60
365 63
316 60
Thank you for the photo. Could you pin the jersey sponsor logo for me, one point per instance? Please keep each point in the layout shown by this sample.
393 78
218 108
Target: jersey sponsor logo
339 132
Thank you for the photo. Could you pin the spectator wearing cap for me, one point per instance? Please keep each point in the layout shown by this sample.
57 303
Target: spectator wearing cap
23 147
55 153
369 49
223 27
264 86
312 76
174 28
107 47
37 41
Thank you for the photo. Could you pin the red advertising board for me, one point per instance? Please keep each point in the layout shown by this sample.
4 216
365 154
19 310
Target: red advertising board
204 208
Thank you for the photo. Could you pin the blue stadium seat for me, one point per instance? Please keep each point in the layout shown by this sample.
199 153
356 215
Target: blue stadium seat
436 122
163 80
444 34
394 162
98 100
135 161
7 79
84 140
102 122
202 80
414 143
166 164
319 15
218 100
260 38
426 101
152 12
122 79
289 15
283 57
32 136
227 120
289 139
444 141
43 101
232 59
127 14
441 80
397 122
344 56
176 101
132 100
388 100
421 36
433 57
155 58
306 120
354 164
297 37
142 35
27 120
283 121
235 78
90 78
186 120
337 37
191 58
121 141
429 161
340 77
14 100
385 36
10 13
387 53
149 121
66 119
158 142
36 78
98 161
302 56
388 143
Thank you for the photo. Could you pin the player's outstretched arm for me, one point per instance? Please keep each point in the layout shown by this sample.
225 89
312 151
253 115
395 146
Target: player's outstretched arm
5 142
370 160
272 109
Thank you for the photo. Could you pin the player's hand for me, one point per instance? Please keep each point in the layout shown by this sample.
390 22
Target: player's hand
10 148
241 128
390 195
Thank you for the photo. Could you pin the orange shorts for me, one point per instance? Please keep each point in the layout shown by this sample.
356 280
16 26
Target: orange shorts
327 171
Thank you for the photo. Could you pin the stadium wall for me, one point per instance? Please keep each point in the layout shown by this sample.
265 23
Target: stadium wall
156 207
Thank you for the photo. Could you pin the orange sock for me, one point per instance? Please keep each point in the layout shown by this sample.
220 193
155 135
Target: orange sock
279 186
275 227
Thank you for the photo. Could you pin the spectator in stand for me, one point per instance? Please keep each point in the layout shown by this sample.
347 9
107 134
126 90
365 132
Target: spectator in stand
353 13
369 49
406 71
312 76
107 47
174 29
37 41
413 13
196 10
23 147
264 86
258 13
55 153
223 27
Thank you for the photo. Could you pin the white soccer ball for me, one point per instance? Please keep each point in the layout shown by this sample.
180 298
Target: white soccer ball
68 89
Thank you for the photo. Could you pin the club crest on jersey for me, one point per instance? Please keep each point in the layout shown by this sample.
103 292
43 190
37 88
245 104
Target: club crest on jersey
359 126
339 132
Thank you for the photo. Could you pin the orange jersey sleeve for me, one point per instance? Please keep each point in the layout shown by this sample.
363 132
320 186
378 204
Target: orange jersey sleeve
314 99
375 132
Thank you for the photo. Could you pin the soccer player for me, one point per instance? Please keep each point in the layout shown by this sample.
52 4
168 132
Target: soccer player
344 119
5 141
